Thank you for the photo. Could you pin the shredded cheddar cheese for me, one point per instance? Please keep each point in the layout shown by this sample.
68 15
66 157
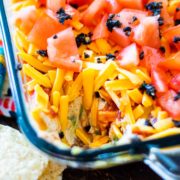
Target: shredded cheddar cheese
39 77
64 101
34 62
94 82
88 86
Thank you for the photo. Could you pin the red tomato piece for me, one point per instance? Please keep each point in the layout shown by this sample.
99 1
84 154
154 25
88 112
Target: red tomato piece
126 16
113 6
164 12
168 103
55 5
101 30
79 2
151 58
129 56
25 18
159 79
42 2
93 14
63 51
170 35
74 13
147 33
175 82
172 63
44 27
132 4
145 2
119 37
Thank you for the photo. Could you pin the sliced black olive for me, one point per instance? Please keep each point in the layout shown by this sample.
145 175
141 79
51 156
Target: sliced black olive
86 55
87 128
147 122
134 18
74 6
176 123
154 7
177 22
62 16
19 66
99 60
97 94
127 30
177 97
110 56
83 39
177 9
61 135
149 88
162 49
42 53
176 39
55 36
161 21
112 23
141 55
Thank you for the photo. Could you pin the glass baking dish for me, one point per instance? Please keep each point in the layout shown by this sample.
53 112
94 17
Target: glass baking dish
150 151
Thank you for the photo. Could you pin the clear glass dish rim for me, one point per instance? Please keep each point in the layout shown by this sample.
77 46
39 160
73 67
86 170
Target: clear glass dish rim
48 148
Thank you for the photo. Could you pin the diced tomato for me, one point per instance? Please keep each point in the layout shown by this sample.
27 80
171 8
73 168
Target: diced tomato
126 16
93 14
79 2
172 63
63 51
25 18
74 13
113 6
132 4
169 104
145 2
151 58
164 12
147 33
44 27
159 79
175 83
55 5
101 30
129 57
170 35
119 37
42 2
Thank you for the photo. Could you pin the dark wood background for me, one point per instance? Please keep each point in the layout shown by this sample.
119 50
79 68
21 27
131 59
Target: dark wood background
133 171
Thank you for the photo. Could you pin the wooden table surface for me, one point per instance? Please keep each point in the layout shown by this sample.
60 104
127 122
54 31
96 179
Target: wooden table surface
133 171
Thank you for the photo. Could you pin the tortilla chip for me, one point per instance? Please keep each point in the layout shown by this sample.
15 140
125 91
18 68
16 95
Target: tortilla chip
19 160
52 172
